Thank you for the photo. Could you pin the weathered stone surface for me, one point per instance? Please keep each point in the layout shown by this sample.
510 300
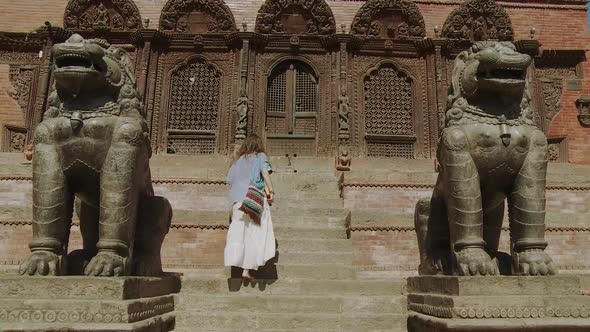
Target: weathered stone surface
445 303
87 304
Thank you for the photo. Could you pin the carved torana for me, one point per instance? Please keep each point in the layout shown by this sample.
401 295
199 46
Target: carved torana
122 15
389 19
478 20
295 16
197 16
21 79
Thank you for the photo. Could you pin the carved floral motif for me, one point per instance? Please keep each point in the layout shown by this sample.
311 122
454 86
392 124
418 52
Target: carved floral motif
478 20
392 18
102 14
21 80
187 16
317 15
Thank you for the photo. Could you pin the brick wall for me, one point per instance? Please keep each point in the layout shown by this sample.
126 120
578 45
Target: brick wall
398 250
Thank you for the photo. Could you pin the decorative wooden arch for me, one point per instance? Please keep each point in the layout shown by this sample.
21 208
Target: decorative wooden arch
297 17
478 20
197 16
116 15
389 18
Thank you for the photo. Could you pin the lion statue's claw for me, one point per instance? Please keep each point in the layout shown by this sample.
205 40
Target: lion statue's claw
475 261
534 262
43 263
106 264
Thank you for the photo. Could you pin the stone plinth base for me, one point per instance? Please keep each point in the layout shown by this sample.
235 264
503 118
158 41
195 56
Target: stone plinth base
87 304
445 303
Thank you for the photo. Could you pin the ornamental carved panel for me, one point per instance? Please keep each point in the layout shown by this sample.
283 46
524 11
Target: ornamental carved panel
295 17
193 109
22 79
14 139
397 19
118 15
197 16
478 20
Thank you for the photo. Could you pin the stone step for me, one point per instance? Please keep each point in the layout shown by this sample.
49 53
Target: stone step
165 322
283 203
188 321
280 271
293 213
313 245
295 258
211 285
87 288
298 232
267 303
281 218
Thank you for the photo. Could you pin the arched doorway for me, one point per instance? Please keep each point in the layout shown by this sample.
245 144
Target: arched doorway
292 107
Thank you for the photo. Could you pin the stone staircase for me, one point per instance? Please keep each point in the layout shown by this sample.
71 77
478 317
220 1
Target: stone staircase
310 286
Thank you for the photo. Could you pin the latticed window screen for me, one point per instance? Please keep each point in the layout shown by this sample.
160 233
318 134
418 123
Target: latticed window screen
194 100
389 102
194 105
389 113
306 98
275 97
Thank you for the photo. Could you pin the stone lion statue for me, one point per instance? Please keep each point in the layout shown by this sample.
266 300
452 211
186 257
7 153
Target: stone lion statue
490 151
92 148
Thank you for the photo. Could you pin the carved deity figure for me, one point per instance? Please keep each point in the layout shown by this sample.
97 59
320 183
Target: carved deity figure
489 152
343 161
343 111
92 151
243 106
101 20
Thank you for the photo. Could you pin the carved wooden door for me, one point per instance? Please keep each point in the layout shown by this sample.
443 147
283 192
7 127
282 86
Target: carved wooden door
291 110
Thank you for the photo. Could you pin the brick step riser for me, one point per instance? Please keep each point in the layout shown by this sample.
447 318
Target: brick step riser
283 232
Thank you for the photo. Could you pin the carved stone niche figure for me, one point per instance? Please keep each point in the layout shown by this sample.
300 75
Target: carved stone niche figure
344 160
583 106
242 110
489 151
343 111
92 148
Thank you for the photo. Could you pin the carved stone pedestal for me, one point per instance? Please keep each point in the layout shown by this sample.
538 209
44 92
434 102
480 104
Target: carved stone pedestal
446 303
87 304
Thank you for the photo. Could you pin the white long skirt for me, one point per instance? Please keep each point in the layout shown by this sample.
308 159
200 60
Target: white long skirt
249 245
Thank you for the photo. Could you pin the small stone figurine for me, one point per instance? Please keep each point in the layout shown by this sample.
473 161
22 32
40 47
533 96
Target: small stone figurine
343 161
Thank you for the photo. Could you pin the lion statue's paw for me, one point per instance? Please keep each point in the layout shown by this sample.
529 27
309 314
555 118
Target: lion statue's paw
475 261
106 264
43 263
534 262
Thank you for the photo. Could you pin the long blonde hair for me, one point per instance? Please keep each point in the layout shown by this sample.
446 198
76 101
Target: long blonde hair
252 144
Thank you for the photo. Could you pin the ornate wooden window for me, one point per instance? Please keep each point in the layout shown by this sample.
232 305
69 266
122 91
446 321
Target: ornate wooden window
389 113
194 104
291 109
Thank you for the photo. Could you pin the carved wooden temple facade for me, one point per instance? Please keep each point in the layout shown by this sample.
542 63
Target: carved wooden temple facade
310 76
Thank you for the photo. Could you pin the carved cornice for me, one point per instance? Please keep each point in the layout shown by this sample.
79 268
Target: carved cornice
21 41
173 225
478 20
402 229
369 19
431 186
218 17
155 36
110 15
317 14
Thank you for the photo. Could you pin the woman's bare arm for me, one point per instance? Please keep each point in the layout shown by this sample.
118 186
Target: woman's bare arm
268 183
